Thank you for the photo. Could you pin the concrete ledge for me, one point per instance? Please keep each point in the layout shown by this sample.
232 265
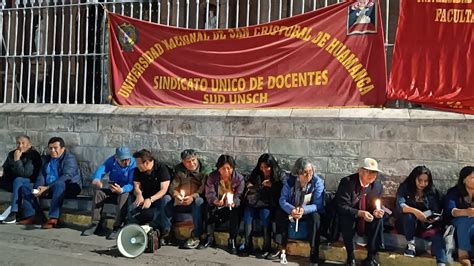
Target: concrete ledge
342 113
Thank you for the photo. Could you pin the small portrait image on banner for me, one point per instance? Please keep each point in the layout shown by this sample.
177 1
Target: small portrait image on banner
361 17
127 36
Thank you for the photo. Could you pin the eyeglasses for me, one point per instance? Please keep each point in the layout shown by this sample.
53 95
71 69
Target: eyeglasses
306 173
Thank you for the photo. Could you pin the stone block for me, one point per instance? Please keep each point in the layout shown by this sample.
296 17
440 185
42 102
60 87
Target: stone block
71 139
343 165
286 162
289 146
159 126
380 149
3 121
257 145
334 148
319 129
92 139
170 142
466 152
85 124
279 128
331 181
355 131
16 122
396 131
141 141
59 123
427 151
111 124
114 140
220 144
213 128
141 125
35 122
248 127
464 133
246 162
182 127
443 133
194 142
396 167
171 158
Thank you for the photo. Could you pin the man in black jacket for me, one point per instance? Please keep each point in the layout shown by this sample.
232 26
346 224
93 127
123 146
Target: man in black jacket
357 210
21 168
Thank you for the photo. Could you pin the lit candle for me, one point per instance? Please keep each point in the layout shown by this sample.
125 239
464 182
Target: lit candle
230 199
283 259
182 194
377 204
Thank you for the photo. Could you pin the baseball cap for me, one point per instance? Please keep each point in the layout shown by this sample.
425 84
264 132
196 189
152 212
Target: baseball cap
123 153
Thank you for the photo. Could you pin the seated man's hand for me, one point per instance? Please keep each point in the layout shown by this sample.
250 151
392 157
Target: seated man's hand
366 215
139 201
146 203
296 213
97 183
41 190
378 213
187 200
115 188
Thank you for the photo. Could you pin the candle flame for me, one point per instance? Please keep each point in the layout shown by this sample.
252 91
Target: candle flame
182 193
377 204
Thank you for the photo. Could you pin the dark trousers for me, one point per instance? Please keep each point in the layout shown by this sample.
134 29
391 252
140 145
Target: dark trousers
312 219
373 230
155 215
103 196
216 215
195 208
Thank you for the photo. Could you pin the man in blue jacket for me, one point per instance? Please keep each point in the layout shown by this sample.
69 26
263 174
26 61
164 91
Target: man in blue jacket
59 178
120 168
301 199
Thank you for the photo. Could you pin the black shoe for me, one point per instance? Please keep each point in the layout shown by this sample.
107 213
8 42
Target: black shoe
11 218
370 262
165 239
351 262
91 230
231 247
274 255
314 257
244 251
261 254
113 235
208 242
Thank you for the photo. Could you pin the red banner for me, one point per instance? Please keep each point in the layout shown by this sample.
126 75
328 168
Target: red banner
327 58
433 60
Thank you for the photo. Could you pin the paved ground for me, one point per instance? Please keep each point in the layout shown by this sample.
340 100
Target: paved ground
28 245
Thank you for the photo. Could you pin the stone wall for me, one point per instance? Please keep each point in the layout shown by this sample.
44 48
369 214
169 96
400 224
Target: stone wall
335 139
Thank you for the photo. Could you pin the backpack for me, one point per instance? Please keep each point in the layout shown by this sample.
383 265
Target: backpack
330 219
153 241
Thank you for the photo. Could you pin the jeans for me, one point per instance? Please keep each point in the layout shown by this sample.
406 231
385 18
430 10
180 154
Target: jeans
158 217
18 183
251 213
373 230
57 191
464 232
410 224
195 208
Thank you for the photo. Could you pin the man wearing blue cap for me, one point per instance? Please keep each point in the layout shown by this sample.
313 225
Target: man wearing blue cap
120 168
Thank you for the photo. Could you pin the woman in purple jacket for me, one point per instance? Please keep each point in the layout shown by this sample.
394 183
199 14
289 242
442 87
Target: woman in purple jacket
224 189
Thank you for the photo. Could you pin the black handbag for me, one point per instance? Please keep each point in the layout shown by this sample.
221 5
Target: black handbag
153 241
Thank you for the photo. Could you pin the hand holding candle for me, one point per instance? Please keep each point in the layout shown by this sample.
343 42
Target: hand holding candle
378 212
230 199
181 195
377 204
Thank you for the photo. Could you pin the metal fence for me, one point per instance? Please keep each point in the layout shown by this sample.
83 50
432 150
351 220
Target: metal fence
55 51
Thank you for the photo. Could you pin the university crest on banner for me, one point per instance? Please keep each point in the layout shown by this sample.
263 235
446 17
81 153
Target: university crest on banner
362 17
127 35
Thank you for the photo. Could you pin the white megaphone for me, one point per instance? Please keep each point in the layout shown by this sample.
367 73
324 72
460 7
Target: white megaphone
132 240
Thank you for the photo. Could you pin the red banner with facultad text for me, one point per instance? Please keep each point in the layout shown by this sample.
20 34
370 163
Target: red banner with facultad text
331 57
433 59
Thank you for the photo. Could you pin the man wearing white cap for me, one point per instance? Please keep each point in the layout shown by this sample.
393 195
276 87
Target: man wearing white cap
358 212
120 168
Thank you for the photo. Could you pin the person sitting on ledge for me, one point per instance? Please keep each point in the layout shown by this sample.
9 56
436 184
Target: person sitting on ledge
21 168
58 179
356 206
417 200
224 188
261 199
120 168
460 211
301 199
187 193
150 184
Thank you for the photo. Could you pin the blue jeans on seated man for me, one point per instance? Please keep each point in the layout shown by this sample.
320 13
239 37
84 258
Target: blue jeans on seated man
155 216
196 208
464 232
411 226
57 191
18 183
